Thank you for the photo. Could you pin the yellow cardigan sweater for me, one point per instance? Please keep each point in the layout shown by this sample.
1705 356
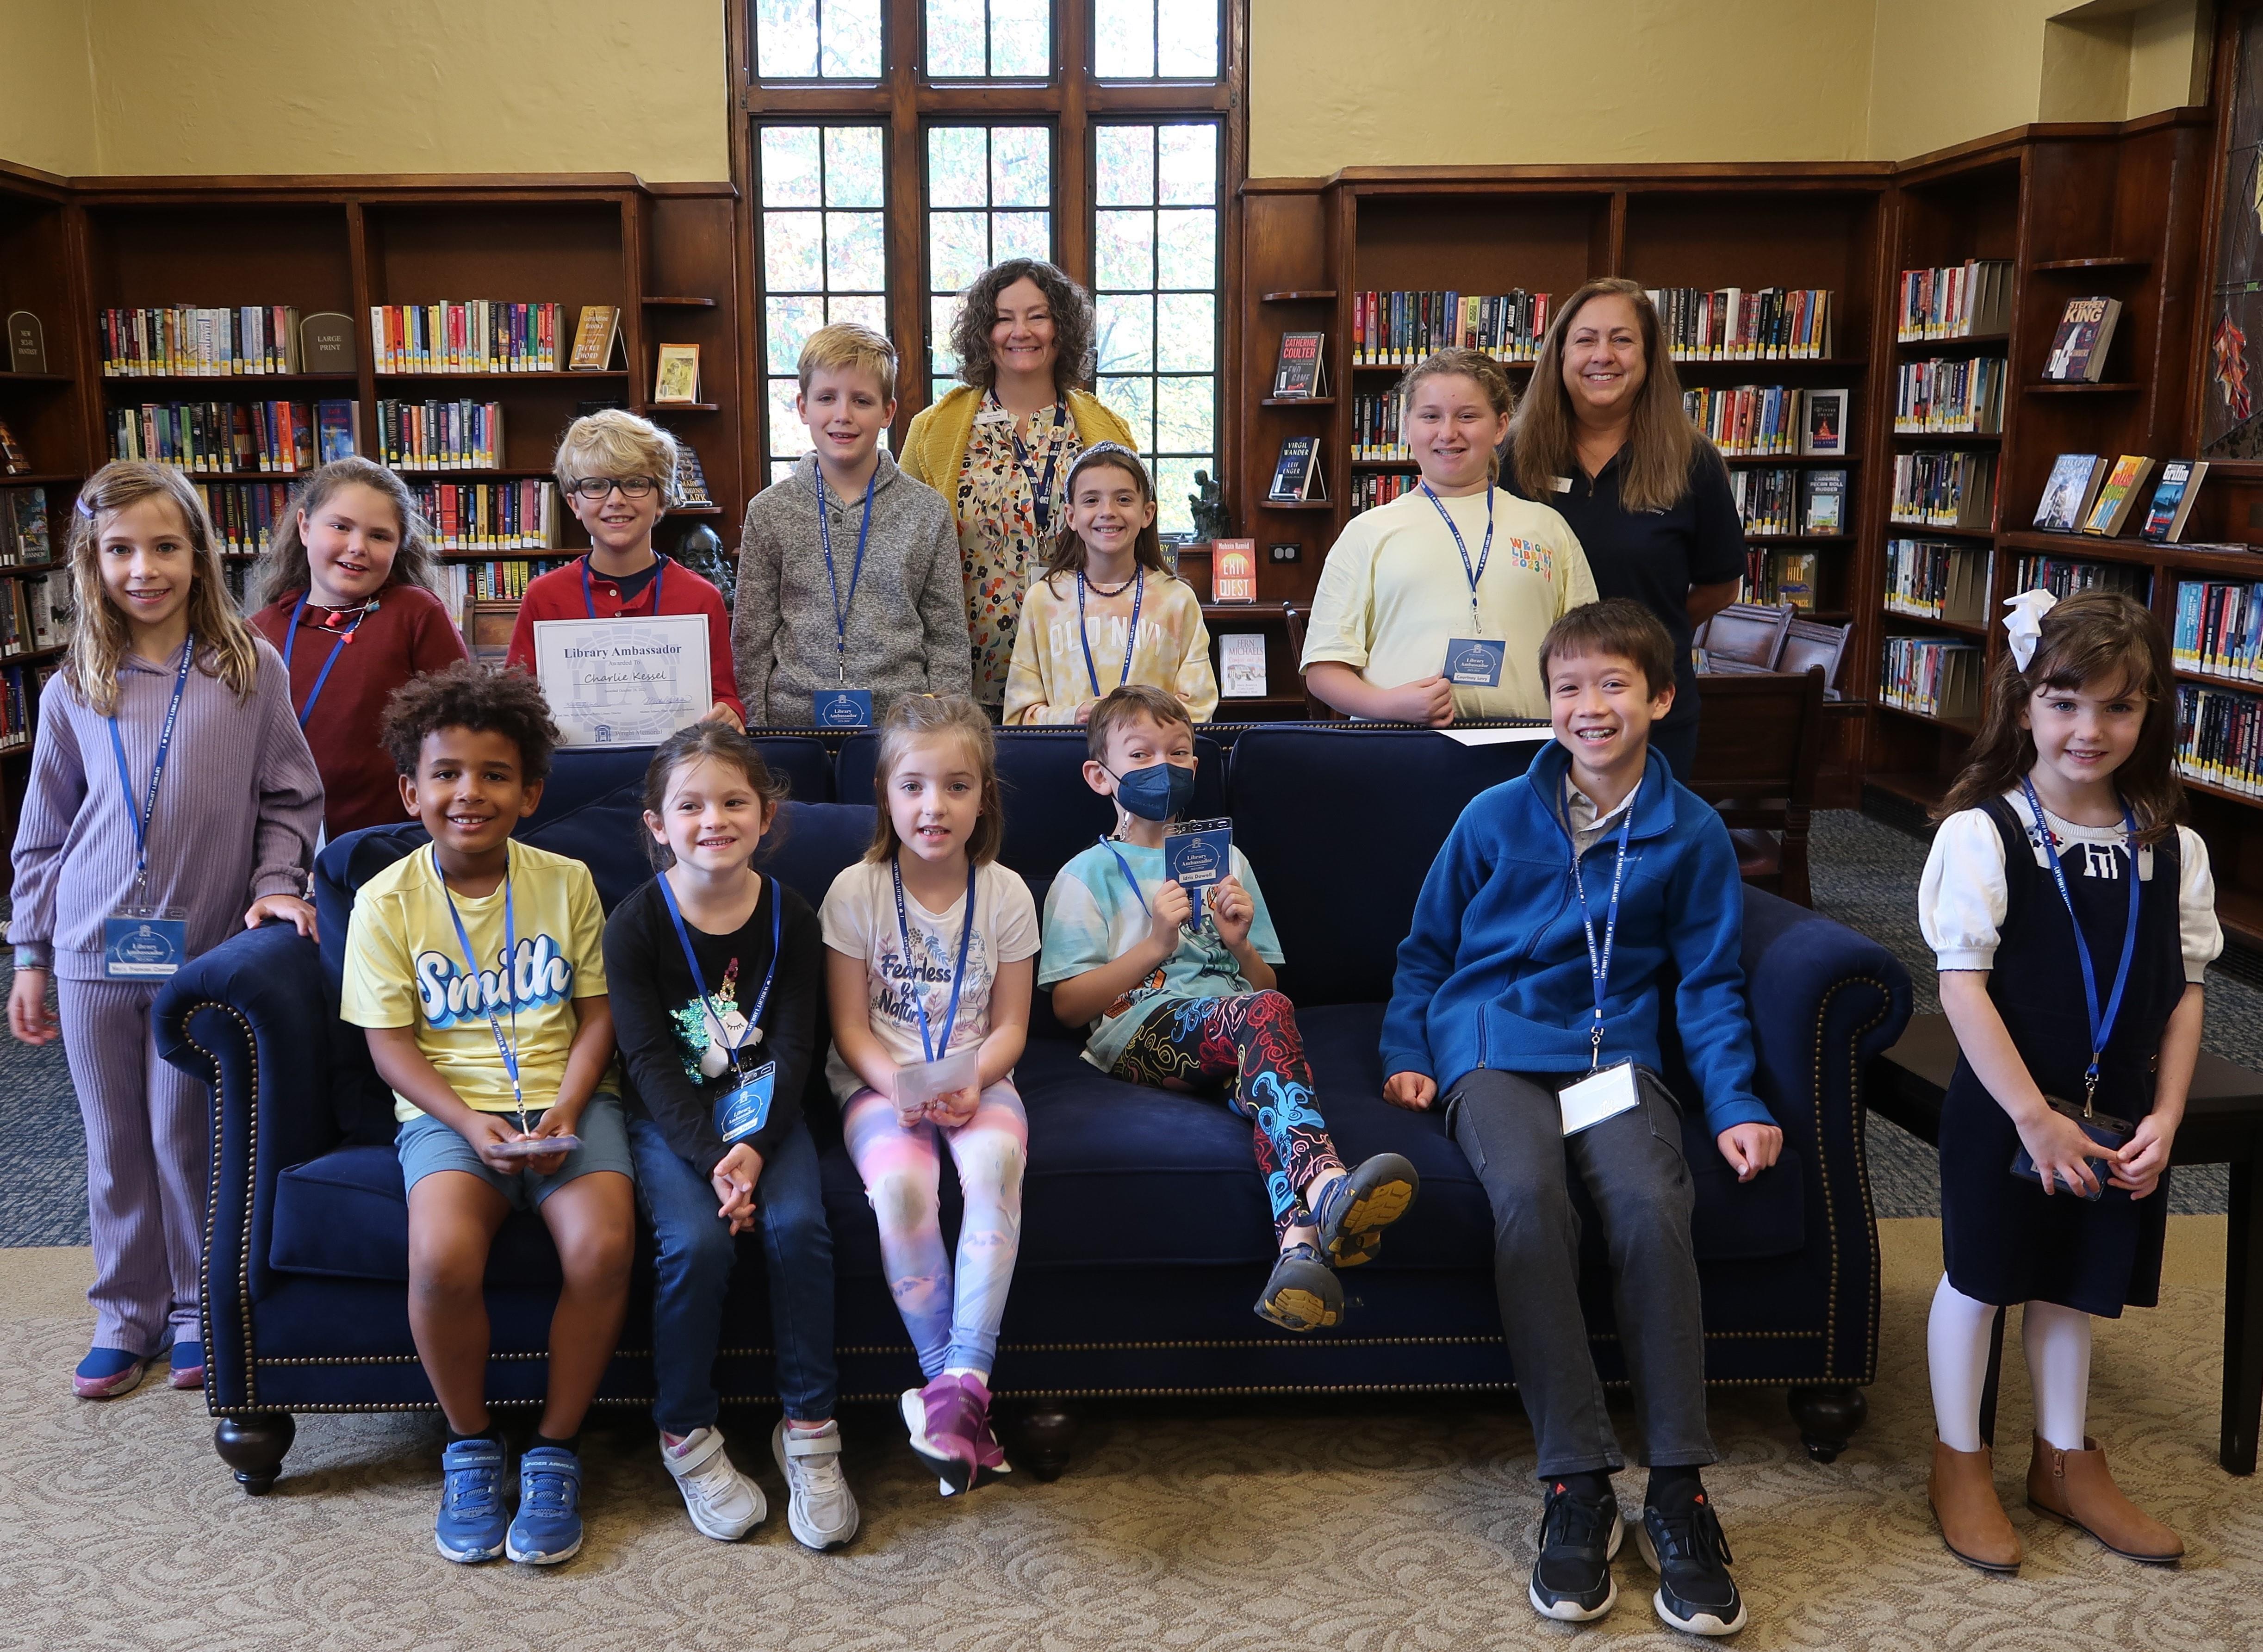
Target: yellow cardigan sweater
935 448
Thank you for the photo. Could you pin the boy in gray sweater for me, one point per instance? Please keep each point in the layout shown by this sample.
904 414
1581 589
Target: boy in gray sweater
851 594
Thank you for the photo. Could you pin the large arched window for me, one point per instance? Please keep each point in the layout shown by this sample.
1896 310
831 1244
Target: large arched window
893 149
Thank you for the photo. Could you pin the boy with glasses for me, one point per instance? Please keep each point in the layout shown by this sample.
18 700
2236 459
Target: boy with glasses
617 474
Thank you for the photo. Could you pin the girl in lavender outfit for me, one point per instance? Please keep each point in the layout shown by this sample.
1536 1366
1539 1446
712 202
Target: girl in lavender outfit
170 787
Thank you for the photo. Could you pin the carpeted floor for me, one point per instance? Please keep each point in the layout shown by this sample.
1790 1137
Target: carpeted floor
1379 1531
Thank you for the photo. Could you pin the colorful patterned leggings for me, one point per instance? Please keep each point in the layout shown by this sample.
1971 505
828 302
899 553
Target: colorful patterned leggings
1249 1046
952 1316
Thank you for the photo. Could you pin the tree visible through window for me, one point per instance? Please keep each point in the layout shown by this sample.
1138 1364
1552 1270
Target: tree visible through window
900 148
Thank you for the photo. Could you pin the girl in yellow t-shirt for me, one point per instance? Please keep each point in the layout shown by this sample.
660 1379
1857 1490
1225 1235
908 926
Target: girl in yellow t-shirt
1108 611
1432 607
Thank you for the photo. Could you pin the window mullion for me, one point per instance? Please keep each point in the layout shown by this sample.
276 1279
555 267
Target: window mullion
1073 141
906 217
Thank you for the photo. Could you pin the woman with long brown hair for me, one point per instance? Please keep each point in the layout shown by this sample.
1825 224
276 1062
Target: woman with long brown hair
1600 436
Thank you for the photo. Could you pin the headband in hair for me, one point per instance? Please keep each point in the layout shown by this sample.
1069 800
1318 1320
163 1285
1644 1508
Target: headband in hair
1100 450
2023 626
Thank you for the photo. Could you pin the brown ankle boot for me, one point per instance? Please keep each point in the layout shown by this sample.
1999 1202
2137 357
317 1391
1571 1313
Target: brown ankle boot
2073 1486
1973 1525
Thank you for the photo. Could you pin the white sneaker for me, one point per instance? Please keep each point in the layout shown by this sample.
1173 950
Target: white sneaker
723 1502
820 1508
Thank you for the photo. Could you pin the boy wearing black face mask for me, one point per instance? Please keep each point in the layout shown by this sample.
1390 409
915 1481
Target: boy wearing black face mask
1193 1009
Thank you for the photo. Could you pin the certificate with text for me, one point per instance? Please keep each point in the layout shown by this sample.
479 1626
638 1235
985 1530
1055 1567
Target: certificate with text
628 682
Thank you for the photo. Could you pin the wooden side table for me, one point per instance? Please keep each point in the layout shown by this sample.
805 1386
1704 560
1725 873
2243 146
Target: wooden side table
2223 1121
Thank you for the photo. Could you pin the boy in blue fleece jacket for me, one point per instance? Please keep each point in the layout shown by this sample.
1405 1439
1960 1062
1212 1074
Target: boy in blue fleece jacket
1527 995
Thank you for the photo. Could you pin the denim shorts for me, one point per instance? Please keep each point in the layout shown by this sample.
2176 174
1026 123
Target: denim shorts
425 1145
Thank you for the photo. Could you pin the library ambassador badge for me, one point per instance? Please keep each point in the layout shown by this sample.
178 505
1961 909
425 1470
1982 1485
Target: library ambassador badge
630 681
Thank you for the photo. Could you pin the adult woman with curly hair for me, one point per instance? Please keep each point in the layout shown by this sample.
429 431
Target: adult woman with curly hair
999 447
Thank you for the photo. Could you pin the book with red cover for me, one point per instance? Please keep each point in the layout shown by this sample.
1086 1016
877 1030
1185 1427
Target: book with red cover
1233 571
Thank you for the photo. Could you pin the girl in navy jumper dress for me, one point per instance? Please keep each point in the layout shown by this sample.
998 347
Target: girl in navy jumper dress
2072 919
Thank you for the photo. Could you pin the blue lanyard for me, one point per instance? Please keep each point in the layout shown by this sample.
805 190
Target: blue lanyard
1130 638
762 998
1128 877
148 814
506 1049
957 974
290 638
840 611
1041 491
1484 552
2101 1027
1599 960
658 578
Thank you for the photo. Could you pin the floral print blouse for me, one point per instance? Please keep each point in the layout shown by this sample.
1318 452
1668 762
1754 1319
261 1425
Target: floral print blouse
998 535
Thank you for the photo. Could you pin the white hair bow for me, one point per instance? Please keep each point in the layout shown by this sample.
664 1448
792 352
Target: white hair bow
2023 626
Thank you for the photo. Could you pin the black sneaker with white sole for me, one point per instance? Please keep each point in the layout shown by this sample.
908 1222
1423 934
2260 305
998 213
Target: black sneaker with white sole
1572 1579
1690 1554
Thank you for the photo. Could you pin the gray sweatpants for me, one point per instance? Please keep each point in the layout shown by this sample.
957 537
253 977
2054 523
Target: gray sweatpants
149 1149
1512 1131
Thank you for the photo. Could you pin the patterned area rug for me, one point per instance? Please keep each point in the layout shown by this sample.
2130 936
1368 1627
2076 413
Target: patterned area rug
1383 1531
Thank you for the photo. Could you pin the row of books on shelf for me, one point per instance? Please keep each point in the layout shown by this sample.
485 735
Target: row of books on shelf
218 436
1773 578
1958 396
35 612
441 436
1398 329
498 579
1958 300
2088 493
1933 579
1743 324
244 514
1380 487
1785 500
1951 488
2064 576
27 539
193 341
2220 738
473 335
2219 629
1764 421
19 687
516 516
1932 675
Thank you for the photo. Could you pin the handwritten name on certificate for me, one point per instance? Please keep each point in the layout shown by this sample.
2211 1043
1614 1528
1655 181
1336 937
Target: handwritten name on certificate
624 682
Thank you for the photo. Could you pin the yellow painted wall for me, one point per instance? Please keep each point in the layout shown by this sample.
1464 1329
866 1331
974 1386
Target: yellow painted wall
225 86
1338 83
47 86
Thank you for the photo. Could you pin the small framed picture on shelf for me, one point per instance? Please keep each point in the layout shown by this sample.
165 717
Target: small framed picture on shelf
678 378
1826 431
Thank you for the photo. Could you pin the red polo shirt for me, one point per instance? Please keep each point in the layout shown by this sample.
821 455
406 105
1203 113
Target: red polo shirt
558 595
411 631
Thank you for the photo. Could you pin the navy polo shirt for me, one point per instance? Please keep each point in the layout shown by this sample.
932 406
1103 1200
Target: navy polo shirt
1655 556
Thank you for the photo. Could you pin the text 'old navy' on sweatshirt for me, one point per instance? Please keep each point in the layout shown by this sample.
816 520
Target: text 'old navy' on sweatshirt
1495 972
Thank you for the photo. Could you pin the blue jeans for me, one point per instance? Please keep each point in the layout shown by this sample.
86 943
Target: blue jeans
696 1253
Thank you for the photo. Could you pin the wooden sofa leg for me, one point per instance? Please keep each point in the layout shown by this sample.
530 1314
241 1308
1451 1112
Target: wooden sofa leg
1047 1437
254 1447
1827 1418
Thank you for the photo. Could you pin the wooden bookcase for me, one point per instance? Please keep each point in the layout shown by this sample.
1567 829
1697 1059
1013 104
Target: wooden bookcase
1312 245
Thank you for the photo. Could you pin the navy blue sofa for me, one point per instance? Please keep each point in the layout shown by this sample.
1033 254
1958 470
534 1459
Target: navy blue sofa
306 1253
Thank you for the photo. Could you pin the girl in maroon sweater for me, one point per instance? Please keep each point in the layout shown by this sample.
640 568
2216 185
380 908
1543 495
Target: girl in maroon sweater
346 589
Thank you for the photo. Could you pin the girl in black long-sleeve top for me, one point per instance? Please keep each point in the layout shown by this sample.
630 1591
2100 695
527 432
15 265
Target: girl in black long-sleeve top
715 972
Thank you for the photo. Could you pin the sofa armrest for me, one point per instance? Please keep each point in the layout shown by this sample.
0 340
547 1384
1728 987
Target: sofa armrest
1825 1001
251 1018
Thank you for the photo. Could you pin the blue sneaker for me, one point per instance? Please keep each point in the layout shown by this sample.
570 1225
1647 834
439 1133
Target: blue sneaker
547 1528
107 1372
1353 1210
188 1366
471 1524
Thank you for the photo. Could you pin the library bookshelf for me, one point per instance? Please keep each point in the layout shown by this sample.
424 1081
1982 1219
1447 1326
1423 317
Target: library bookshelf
665 254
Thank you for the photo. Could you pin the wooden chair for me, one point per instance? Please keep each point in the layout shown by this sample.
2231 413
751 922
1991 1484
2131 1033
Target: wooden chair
1760 742
1316 709
1808 642
1743 636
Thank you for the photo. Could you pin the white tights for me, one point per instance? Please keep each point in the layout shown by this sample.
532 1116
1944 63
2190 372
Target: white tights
2057 1342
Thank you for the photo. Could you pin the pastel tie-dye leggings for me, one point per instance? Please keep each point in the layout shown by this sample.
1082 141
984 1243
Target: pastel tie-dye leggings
952 1314
1247 1046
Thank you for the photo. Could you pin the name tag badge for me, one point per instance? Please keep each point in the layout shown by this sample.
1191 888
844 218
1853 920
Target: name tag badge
841 708
918 1082
1475 663
745 1108
993 416
538 1147
144 944
1561 484
1600 1095
1196 854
